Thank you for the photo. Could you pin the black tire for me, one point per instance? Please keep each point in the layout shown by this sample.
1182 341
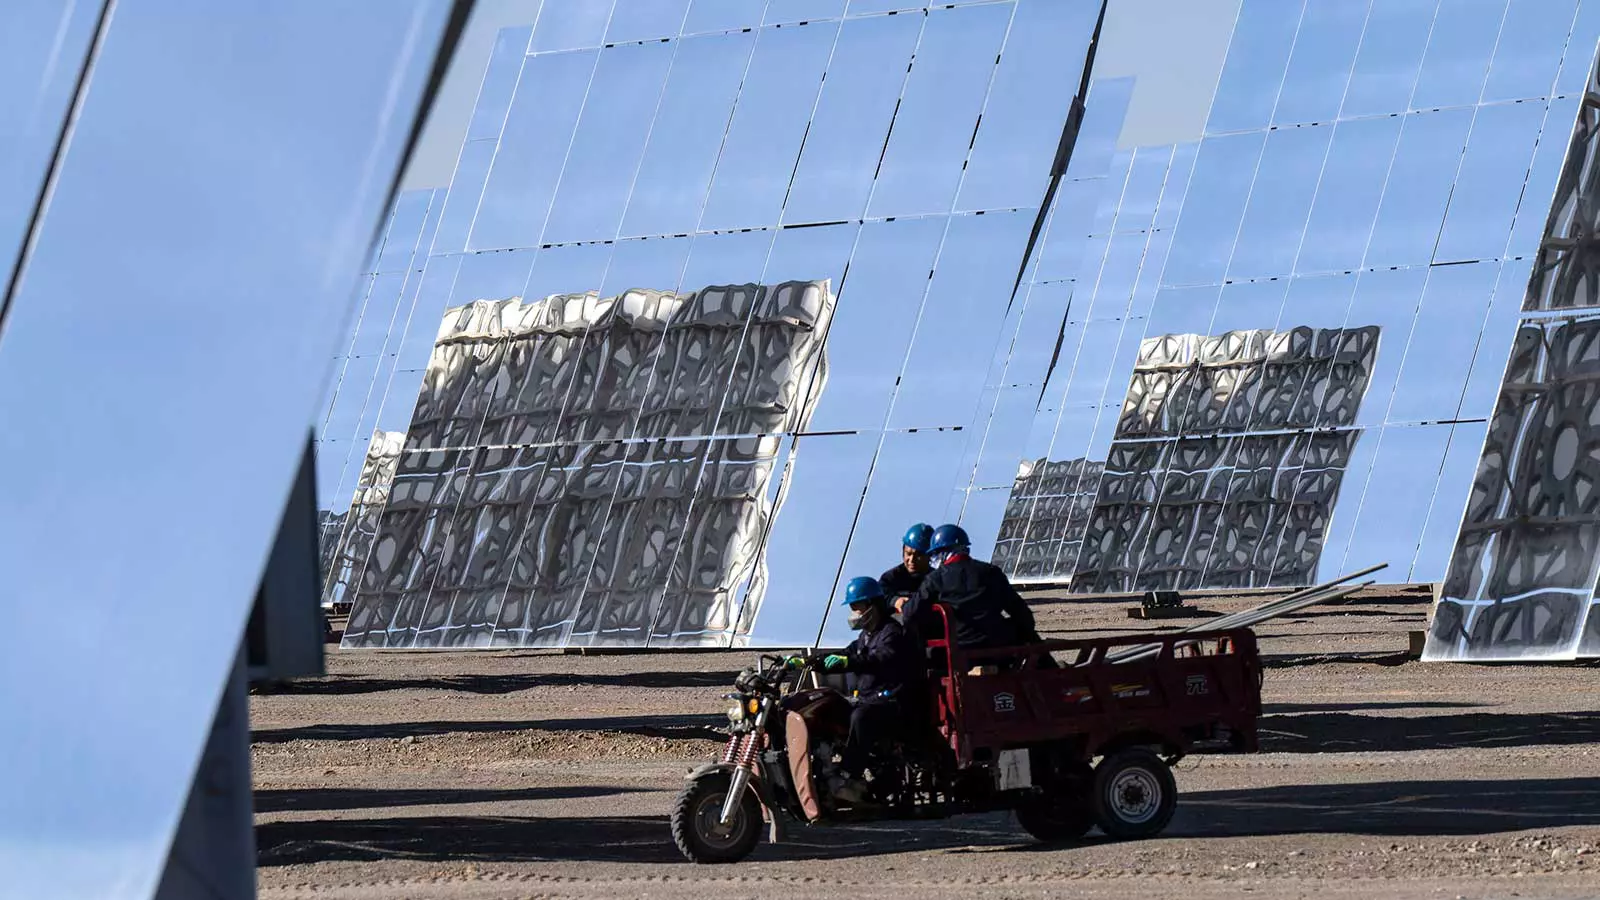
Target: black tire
696 814
1056 818
1134 794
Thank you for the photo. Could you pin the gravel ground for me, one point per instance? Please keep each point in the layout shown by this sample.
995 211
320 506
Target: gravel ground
507 774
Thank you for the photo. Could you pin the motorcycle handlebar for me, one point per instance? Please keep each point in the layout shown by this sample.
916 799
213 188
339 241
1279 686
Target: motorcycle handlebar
773 671
767 676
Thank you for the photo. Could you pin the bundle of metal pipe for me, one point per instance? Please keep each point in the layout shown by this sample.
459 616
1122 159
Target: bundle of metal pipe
1311 596
1293 602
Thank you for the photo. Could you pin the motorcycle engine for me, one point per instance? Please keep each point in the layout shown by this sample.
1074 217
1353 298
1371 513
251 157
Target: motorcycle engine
822 759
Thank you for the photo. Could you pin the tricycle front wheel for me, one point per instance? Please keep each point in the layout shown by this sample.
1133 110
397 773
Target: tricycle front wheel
697 826
1134 794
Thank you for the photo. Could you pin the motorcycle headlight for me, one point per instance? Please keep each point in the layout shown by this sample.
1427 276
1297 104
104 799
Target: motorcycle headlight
736 713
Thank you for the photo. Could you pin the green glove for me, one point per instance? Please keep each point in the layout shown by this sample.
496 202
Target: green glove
794 662
835 661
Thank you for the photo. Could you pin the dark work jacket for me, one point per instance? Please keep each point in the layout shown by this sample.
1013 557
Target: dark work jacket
984 609
899 581
885 660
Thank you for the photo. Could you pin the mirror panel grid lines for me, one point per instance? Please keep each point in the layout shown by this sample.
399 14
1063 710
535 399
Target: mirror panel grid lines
1522 575
198 277
1328 296
708 273
700 276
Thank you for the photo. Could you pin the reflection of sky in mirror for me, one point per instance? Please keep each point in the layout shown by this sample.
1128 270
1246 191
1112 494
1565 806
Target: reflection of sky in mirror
42 47
1411 207
1405 174
722 155
1174 47
170 234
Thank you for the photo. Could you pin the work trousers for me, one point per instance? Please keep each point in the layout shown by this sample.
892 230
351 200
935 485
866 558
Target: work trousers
873 722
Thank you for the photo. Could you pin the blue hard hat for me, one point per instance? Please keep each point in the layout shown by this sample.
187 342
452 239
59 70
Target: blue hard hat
861 589
918 536
948 537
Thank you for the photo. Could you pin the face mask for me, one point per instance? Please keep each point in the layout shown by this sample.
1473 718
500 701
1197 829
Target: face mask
863 620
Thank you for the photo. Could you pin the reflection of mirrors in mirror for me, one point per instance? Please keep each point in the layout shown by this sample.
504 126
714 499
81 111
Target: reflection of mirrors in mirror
565 379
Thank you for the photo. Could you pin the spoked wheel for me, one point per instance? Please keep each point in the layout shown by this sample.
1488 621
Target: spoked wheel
697 828
1056 817
1134 794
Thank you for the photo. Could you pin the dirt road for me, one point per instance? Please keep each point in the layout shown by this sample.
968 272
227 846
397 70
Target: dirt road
471 776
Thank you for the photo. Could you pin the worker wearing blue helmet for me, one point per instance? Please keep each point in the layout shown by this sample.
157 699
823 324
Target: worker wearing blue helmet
904 580
985 611
888 664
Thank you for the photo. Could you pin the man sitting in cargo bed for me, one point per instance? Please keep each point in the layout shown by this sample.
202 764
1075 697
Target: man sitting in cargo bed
903 581
985 611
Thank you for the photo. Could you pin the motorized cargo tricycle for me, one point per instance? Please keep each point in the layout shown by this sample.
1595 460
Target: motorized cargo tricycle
1084 739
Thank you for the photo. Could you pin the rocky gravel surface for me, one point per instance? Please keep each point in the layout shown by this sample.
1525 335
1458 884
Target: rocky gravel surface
504 774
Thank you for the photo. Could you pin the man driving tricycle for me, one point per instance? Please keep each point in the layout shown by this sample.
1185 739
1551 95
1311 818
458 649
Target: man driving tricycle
888 663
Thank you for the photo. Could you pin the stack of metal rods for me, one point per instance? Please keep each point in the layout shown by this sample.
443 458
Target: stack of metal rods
1298 600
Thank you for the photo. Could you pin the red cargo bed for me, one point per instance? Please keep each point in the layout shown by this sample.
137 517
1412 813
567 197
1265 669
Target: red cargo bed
1191 693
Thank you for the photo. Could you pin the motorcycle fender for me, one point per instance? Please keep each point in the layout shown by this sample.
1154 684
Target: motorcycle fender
769 811
797 733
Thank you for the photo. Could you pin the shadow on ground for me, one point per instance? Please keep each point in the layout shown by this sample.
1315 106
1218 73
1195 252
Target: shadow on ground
640 839
292 800
1409 808
498 684
1299 660
1286 728
1393 808
1356 706
1346 732
679 727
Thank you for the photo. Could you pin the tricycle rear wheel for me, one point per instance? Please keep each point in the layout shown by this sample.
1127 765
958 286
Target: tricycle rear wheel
1055 817
697 815
1134 794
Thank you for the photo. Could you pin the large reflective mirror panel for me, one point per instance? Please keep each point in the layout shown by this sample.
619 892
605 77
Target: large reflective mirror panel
44 46
162 347
709 298
1521 583
773 276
